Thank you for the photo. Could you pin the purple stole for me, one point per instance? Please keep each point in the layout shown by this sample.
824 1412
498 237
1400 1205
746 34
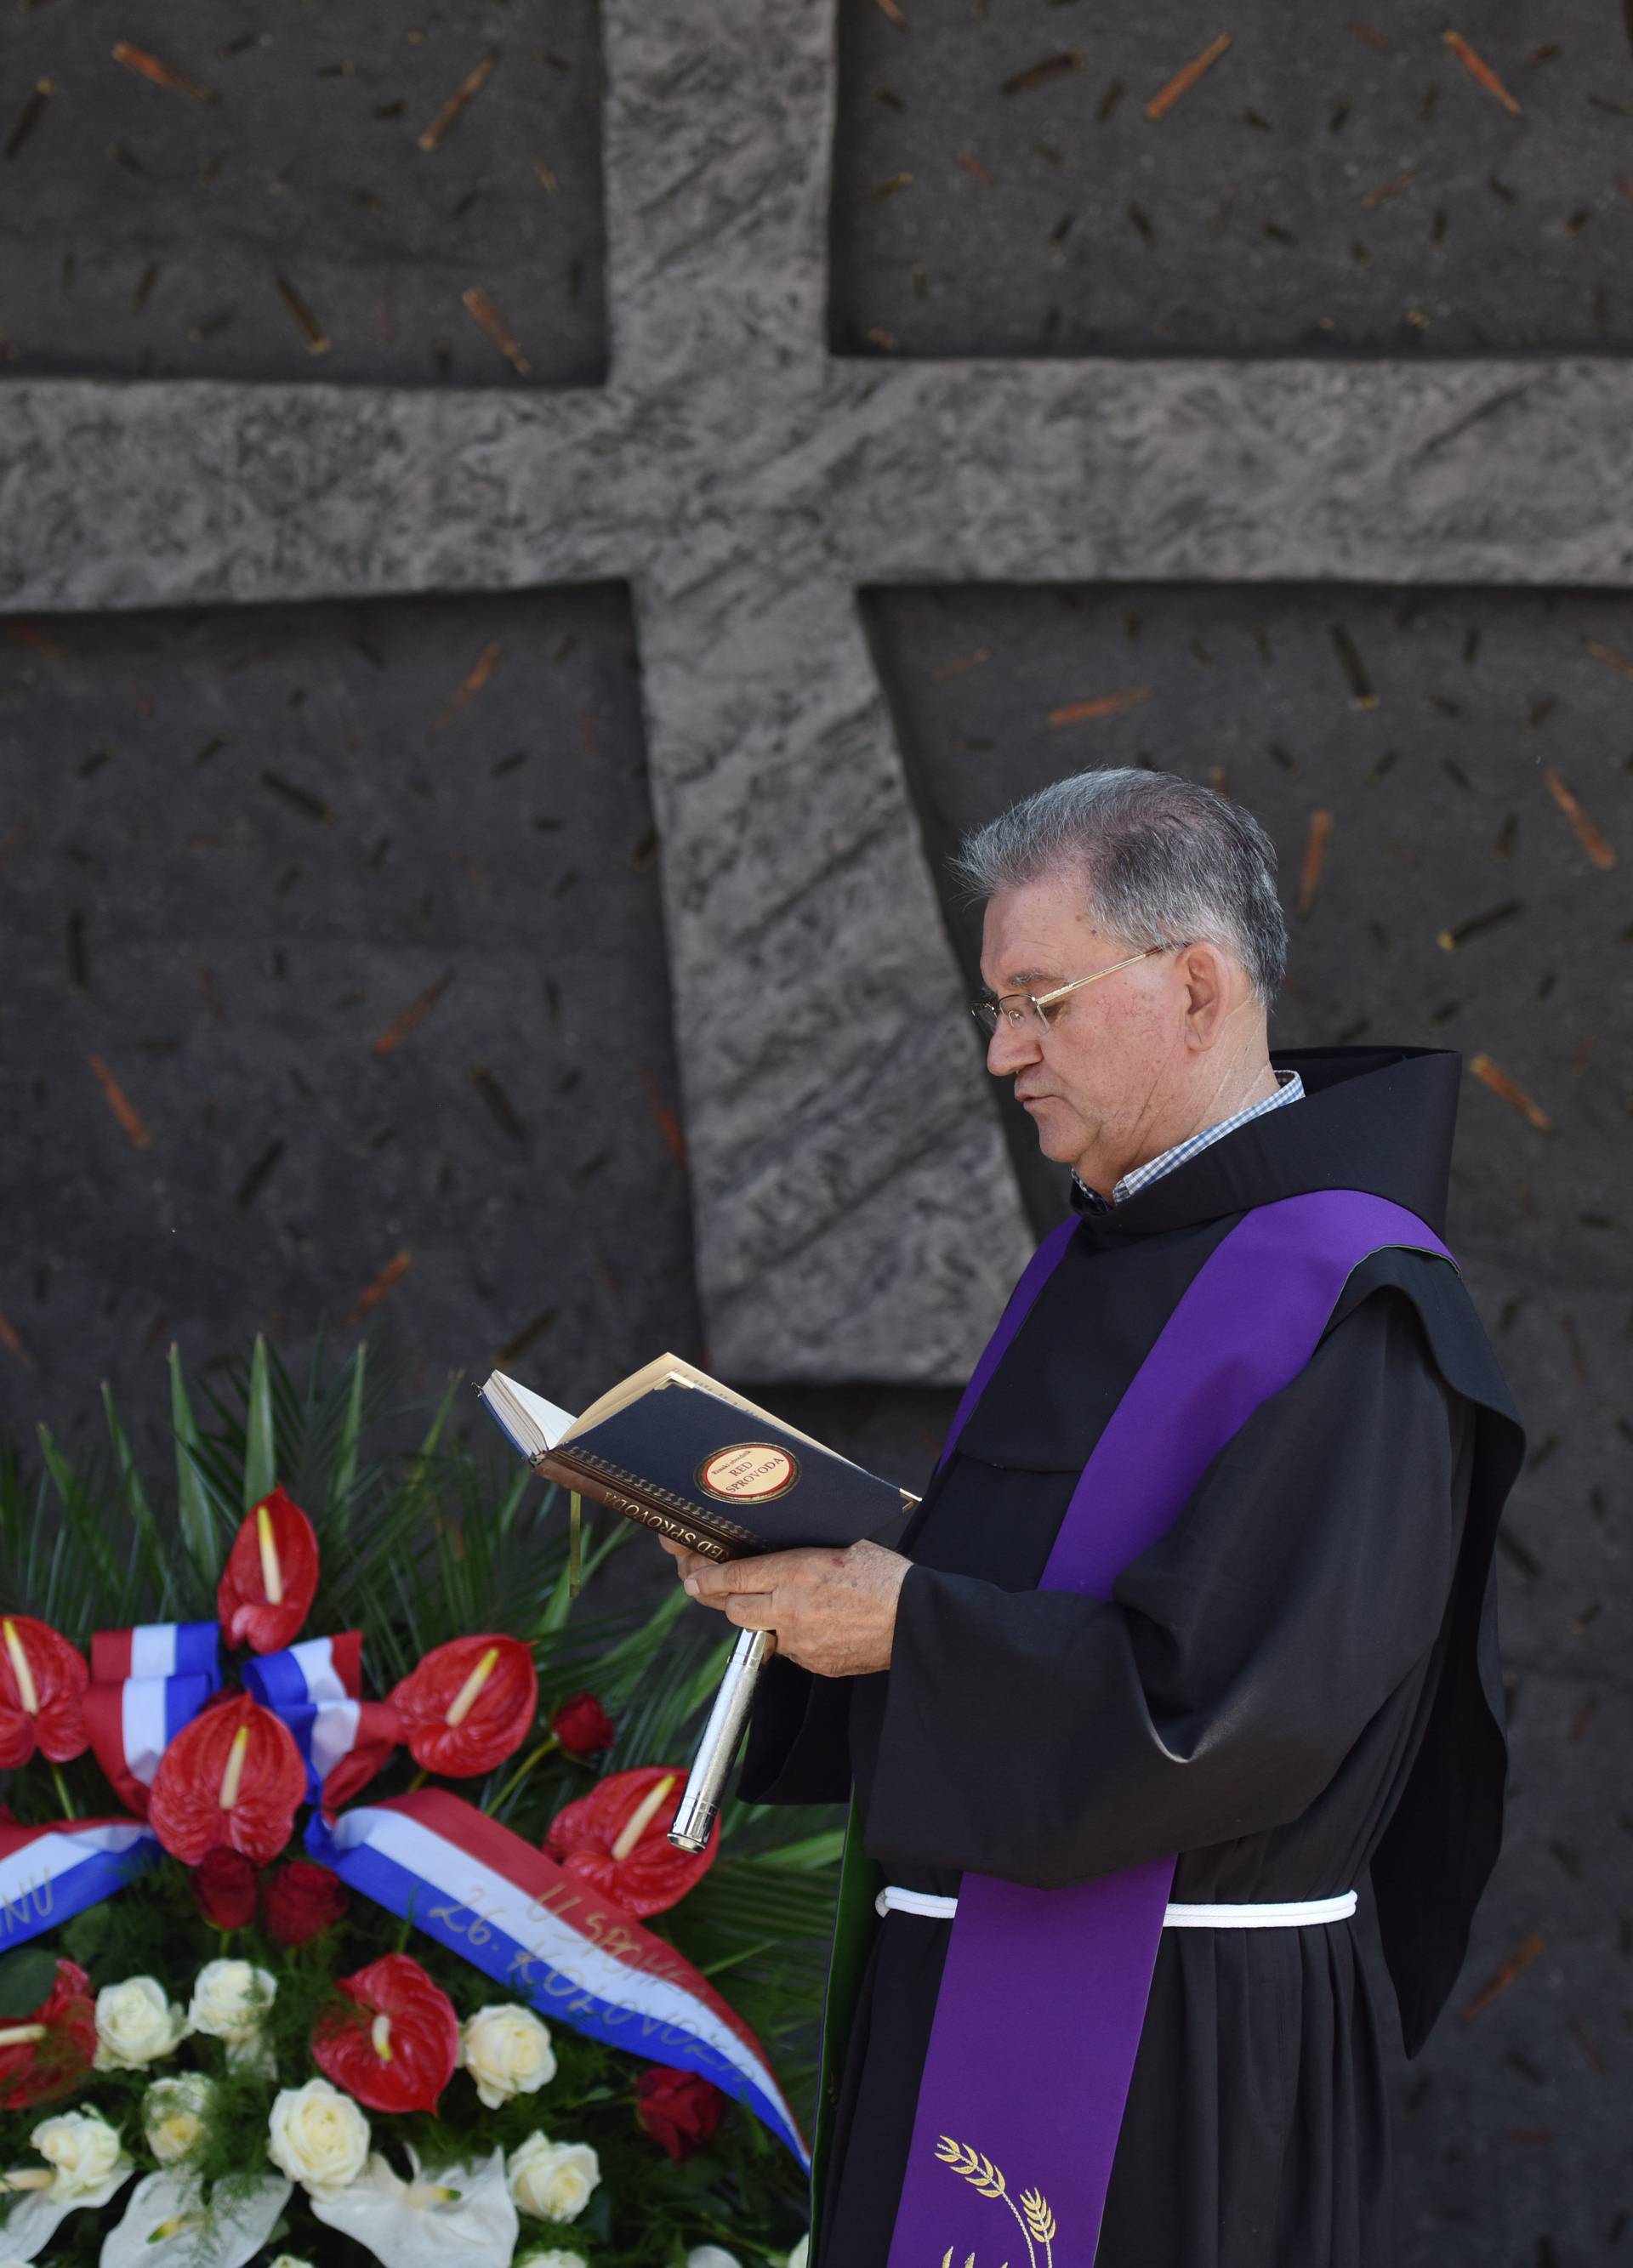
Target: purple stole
1043 1996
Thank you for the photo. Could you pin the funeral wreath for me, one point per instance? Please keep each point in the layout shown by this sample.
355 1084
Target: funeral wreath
338 1919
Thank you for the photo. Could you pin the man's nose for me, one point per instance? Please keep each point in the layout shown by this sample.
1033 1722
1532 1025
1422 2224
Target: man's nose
1010 1048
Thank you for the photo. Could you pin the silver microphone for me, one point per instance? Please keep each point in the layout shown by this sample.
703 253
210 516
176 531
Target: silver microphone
699 1805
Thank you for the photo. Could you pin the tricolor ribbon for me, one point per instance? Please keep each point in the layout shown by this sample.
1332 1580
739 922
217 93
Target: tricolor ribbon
49 1873
547 1938
480 1890
146 1683
316 1689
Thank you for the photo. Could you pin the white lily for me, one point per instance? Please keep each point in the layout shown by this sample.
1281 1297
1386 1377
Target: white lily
463 2219
170 2223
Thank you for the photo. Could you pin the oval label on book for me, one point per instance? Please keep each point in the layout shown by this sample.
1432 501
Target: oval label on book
749 1472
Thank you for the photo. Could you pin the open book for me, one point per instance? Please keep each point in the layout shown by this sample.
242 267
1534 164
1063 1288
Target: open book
673 1449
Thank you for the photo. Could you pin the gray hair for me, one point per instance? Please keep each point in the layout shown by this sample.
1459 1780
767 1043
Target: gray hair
1162 858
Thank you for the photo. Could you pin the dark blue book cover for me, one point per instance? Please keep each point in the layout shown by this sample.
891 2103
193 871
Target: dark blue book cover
740 1473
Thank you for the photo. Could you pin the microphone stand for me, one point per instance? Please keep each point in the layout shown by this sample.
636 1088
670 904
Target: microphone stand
699 1805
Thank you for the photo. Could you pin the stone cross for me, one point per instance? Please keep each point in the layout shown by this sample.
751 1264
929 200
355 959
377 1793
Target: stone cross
855 1213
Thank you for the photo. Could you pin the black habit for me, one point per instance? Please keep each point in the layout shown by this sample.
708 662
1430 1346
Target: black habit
1298 1684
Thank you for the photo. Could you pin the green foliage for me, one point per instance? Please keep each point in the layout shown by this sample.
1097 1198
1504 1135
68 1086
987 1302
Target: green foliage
417 1545
26 1980
193 1513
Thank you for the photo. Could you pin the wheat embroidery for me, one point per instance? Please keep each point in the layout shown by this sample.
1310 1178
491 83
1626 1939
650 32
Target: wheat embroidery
1039 2217
1033 2216
970 2166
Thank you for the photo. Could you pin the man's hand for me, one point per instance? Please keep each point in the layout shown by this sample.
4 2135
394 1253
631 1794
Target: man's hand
685 1560
833 1611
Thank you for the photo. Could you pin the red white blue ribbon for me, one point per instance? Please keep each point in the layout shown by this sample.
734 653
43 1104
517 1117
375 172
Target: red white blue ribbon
549 1937
49 1873
146 1683
316 1689
480 1890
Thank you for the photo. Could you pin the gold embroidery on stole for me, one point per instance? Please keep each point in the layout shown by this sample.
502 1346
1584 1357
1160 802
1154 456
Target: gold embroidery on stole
1036 2222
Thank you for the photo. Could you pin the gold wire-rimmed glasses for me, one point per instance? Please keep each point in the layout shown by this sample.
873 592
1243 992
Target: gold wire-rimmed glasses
1037 1005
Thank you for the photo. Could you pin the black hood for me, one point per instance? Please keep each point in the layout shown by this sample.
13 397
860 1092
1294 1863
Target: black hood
1379 1119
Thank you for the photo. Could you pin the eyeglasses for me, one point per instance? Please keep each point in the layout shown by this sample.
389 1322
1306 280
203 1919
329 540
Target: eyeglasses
1018 1008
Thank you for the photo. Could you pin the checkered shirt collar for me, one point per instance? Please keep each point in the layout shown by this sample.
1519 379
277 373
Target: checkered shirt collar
1290 1088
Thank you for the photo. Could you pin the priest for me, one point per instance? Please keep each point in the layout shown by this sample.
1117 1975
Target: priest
1192 1637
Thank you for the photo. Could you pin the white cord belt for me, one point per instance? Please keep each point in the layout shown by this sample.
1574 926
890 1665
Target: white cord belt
1297 1913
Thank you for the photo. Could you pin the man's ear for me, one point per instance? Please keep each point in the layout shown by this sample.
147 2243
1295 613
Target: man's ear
1207 977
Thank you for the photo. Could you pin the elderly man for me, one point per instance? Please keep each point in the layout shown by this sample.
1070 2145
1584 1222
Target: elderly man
1193 1631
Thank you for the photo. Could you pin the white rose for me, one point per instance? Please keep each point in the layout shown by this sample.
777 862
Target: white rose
507 2050
82 2149
801 2254
523 2260
710 2255
552 2180
284 2260
174 2111
135 2024
318 2135
230 1998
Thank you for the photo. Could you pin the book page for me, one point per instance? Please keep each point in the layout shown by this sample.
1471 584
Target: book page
531 1413
669 1369
628 1390
686 1373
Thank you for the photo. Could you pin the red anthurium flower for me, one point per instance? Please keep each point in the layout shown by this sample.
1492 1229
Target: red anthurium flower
581 1724
617 1838
678 2108
47 2052
469 1705
271 1572
396 2048
233 1776
42 1686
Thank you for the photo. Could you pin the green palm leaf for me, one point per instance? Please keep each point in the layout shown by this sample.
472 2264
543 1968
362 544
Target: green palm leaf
343 1472
192 1503
260 1435
86 1569
156 1572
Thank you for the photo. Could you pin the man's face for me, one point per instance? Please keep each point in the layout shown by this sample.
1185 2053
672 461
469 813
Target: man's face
1103 1070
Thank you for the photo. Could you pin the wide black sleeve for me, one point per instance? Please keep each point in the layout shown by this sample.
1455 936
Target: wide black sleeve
1047 1737
799 1748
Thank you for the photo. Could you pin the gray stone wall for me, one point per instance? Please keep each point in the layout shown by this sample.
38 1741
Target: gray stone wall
823 487
338 992
253 197
1329 185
